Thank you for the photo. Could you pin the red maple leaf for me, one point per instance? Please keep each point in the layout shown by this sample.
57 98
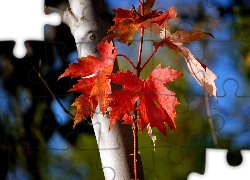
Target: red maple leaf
127 22
95 89
204 76
90 65
124 99
157 103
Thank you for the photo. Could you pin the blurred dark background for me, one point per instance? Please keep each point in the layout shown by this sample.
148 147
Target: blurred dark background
37 140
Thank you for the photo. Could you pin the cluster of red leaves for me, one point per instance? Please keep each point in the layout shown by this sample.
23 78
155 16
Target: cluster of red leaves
156 103
127 22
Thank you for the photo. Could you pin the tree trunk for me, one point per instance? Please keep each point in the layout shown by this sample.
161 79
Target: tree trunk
89 25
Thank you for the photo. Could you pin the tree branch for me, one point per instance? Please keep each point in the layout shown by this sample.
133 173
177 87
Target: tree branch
49 10
68 17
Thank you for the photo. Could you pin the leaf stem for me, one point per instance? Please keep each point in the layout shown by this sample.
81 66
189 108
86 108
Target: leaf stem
142 8
151 55
127 59
138 69
135 127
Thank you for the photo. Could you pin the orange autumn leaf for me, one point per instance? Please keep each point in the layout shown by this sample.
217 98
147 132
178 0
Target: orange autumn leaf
124 99
157 103
95 89
90 65
129 21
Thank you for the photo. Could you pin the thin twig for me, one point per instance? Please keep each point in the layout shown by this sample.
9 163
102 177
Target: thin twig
44 82
127 59
151 55
210 121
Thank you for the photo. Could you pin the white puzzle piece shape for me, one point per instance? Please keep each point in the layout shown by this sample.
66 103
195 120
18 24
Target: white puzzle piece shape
24 20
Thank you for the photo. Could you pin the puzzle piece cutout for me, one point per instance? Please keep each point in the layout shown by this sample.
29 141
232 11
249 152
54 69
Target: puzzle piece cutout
168 149
15 26
216 167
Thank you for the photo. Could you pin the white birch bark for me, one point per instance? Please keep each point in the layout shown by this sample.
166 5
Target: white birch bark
88 25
